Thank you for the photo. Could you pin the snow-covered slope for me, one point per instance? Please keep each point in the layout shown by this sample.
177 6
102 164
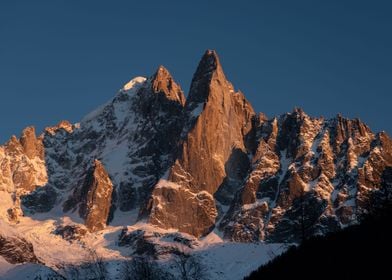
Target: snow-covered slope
221 259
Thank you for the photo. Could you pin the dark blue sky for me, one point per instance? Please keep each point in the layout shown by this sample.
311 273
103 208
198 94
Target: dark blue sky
59 59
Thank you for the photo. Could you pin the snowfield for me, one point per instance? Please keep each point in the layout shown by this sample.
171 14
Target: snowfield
220 259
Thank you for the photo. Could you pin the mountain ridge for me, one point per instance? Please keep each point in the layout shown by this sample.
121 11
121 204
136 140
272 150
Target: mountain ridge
203 165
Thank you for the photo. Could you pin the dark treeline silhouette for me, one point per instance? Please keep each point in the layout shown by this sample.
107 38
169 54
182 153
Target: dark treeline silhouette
356 251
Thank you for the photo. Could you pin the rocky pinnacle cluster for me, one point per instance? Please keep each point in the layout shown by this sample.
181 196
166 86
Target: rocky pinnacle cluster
199 164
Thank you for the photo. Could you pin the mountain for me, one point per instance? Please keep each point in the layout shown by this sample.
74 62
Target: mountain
154 173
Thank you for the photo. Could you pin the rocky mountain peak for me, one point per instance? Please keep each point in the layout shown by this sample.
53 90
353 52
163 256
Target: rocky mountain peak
98 166
349 127
64 124
163 82
13 146
31 145
219 120
299 113
208 73
350 136
208 64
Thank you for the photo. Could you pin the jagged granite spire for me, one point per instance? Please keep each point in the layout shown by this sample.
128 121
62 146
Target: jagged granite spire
96 197
163 82
31 145
218 121
209 68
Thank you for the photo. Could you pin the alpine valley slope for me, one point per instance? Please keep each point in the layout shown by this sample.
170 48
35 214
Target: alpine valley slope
151 171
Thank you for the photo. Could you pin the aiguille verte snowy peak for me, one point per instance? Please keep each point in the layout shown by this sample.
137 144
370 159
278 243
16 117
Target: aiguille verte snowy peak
151 161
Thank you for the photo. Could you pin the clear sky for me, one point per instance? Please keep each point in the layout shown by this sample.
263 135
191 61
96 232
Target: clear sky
60 59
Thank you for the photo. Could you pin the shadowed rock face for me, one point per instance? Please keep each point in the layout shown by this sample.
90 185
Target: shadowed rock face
200 163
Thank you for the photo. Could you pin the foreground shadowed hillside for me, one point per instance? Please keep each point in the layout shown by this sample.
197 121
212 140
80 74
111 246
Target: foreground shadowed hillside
354 252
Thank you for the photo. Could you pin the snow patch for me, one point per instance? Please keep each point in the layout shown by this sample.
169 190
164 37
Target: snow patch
258 203
162 183
135 82
197 111
234 261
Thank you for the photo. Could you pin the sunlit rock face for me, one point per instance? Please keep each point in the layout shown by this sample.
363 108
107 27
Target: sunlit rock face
309 176
212 154
94 198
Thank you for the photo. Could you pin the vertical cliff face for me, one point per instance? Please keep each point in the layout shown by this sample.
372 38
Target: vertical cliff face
96 197
213 151
219 120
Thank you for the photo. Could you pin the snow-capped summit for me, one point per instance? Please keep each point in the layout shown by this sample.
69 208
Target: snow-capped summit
135 82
